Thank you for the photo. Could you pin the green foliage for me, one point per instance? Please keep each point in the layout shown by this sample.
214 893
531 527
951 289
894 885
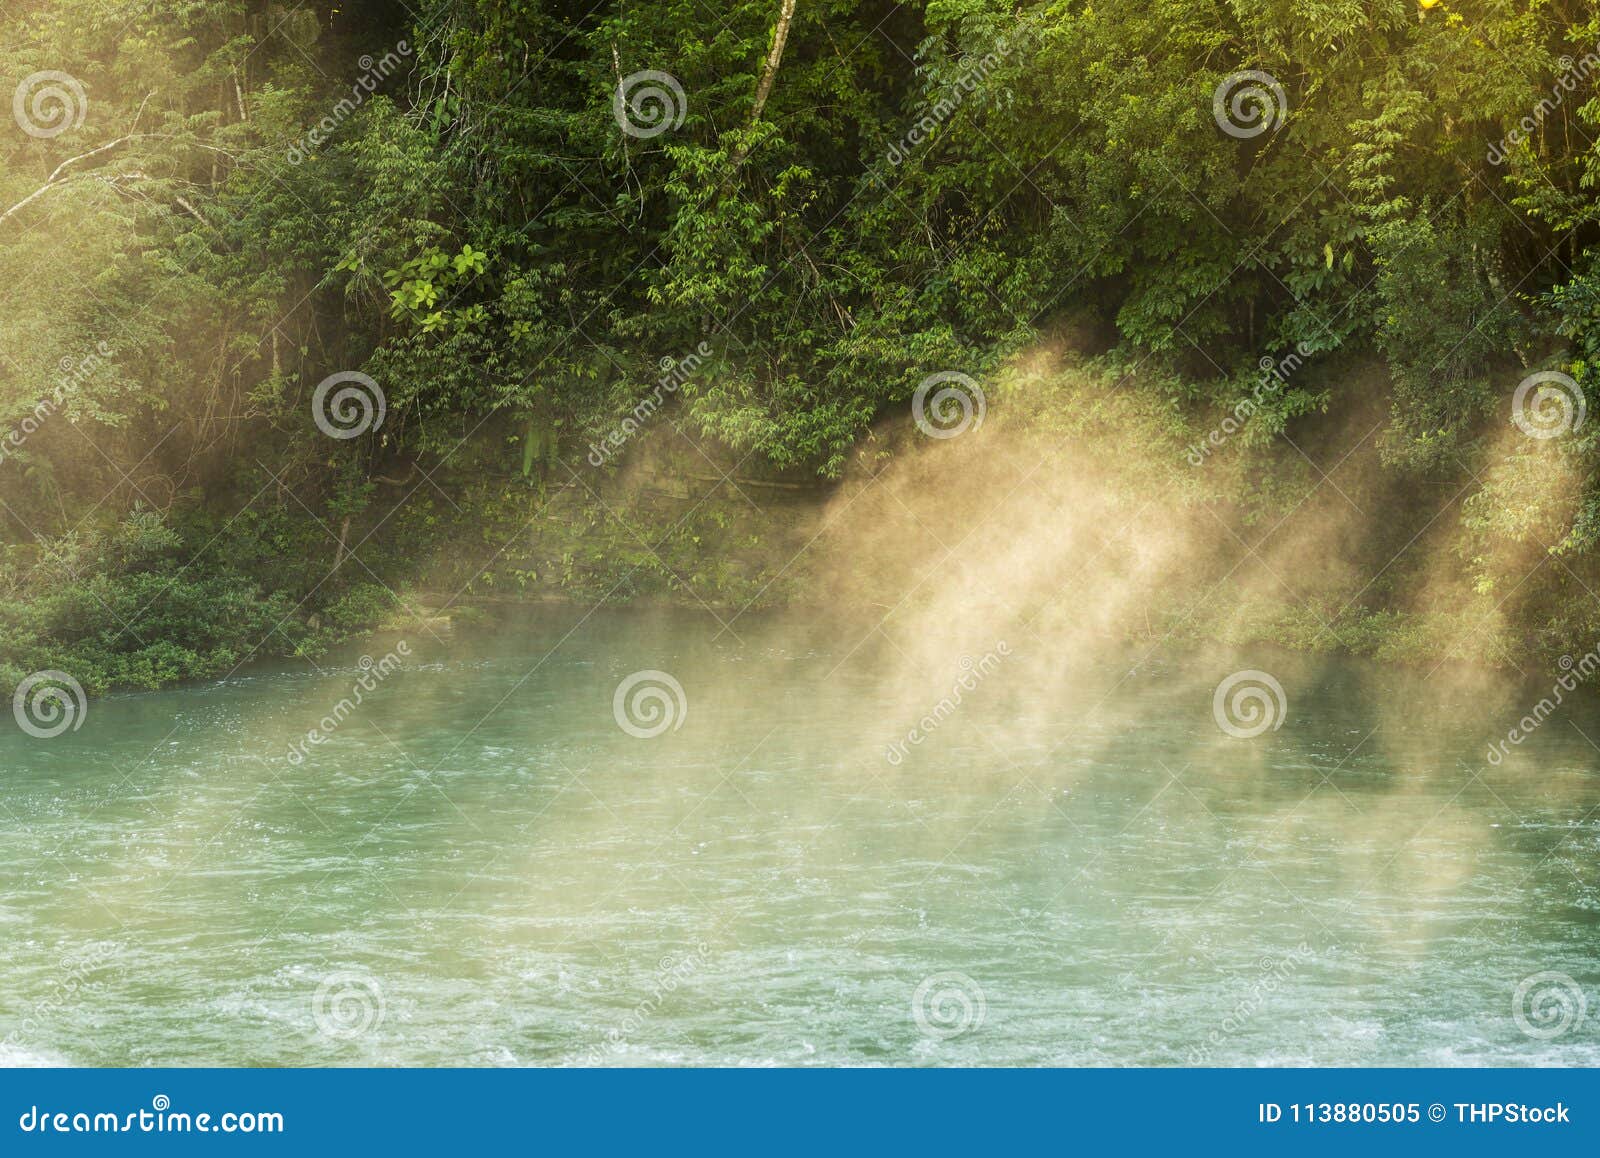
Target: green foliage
440 195
363 606
123 610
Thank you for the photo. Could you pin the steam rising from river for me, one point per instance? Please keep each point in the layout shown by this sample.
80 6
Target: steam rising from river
988 745
1097 560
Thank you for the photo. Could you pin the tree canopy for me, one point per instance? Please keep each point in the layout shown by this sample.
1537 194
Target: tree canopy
516 216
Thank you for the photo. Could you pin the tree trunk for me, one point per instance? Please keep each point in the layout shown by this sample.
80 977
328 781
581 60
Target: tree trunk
780 36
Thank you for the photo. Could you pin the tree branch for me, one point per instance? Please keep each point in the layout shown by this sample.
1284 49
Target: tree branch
57 179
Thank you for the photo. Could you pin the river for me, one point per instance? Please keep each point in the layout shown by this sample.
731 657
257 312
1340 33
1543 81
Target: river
481 866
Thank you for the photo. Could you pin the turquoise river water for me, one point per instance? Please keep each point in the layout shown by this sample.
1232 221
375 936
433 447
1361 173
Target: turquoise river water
480 866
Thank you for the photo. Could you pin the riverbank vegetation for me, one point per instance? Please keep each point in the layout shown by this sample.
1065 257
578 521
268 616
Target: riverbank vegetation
517 219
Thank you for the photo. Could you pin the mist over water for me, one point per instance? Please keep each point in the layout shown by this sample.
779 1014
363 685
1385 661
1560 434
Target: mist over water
1144 613
1080 870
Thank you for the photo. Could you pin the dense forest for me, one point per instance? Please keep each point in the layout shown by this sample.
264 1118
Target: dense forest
306 304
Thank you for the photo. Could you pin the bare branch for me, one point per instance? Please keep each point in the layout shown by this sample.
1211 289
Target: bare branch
59 177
